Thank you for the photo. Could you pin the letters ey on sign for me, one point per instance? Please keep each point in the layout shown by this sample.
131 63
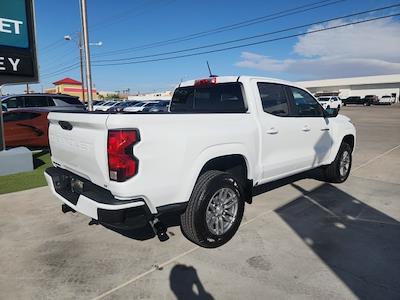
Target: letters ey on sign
18 63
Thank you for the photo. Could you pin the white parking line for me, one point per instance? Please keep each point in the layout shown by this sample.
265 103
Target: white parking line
162 265
146 273
375 158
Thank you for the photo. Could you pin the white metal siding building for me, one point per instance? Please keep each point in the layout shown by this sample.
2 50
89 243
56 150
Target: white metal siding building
357 86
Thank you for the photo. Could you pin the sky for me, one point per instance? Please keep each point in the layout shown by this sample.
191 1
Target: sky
136 28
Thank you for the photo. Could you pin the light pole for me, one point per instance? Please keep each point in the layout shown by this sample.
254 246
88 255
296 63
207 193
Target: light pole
81 58
87 53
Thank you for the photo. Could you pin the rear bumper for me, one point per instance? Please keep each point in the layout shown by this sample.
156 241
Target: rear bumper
97 202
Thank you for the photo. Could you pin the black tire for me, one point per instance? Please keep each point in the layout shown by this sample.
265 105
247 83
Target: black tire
332 172
338 108
193 220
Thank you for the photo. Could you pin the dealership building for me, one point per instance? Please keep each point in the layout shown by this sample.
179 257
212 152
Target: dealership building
380 85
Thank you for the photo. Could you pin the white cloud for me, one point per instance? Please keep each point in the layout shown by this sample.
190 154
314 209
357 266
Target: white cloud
363 49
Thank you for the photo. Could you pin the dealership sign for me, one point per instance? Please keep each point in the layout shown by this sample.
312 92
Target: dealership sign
18 62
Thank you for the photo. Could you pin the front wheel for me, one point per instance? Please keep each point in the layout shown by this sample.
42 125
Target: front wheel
339 170
214 211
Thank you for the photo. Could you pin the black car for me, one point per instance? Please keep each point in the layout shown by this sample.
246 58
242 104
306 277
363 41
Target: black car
49 101
357 100
372 99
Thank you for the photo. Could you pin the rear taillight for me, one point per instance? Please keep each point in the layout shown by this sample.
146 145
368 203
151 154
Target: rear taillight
122 164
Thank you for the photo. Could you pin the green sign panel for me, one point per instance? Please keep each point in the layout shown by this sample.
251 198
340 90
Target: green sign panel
13 24
18 63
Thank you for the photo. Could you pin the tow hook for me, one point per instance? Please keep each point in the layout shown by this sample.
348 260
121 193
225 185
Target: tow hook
65 208
159 229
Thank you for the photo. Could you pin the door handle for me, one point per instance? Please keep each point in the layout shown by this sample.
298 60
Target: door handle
306 128
272 130
325 129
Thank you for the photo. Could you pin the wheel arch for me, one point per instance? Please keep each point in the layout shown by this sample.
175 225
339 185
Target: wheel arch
349 139
235 164
232 158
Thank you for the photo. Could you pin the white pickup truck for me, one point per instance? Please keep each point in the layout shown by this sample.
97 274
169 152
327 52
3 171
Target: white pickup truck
201 160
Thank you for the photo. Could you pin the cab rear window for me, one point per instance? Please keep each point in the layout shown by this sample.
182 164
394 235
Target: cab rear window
212 98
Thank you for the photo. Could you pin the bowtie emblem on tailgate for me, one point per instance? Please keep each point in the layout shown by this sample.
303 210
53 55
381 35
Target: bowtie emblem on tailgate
65 125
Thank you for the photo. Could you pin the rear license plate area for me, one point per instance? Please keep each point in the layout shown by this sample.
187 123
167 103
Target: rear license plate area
77 186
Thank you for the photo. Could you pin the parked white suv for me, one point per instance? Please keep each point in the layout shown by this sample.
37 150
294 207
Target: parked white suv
330 102
222 137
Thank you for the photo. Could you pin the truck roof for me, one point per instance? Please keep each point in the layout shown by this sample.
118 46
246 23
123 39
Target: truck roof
241 78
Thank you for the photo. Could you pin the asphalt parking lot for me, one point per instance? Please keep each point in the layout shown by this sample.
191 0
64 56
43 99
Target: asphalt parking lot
301 238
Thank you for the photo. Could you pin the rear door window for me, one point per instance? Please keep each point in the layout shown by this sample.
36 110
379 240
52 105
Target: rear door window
212 98
36 101
68 100
304 105
274 99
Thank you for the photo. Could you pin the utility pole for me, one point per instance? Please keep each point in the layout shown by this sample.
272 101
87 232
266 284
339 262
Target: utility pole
27 88
81 62
87 53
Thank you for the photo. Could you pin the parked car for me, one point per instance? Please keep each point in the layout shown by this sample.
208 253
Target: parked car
330 102
161 106
357 100
122 105
26 127
224 136
97 104
49 101
140 106
105 106
373 99
386 100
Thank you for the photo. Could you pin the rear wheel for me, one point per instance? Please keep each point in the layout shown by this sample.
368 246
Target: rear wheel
339 170
214 211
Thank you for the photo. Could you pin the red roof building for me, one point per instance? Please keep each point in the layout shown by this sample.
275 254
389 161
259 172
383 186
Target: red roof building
71 87
67 80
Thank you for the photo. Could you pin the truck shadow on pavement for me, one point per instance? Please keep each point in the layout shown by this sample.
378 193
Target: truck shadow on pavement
360 244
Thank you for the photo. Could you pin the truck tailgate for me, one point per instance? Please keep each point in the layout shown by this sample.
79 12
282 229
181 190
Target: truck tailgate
78 143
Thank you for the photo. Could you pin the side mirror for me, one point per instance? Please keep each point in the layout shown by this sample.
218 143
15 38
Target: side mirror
331 112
